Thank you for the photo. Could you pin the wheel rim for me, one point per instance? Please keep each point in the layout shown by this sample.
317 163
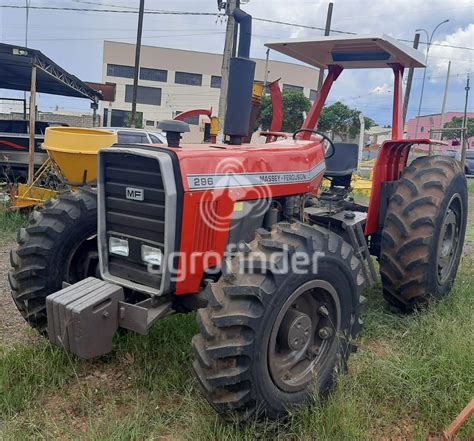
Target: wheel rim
83 261
449 241
303 335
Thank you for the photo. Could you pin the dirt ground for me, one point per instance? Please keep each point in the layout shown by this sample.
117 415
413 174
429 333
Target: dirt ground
13 327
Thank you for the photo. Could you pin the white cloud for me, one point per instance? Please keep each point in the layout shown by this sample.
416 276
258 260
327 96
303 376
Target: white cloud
462 61
381 90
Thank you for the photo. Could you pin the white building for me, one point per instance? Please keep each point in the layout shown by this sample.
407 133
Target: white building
378 135
174 80
10 106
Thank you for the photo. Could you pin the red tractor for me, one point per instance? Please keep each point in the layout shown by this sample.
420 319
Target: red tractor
274 265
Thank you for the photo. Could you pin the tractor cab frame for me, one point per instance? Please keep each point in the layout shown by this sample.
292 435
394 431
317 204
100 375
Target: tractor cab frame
337 54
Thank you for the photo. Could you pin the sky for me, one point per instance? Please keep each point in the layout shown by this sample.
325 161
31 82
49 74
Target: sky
74 40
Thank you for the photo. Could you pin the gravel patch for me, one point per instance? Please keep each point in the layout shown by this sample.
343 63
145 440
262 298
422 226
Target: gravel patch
13 328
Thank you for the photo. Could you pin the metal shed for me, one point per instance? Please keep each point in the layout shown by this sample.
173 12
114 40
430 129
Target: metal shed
26 69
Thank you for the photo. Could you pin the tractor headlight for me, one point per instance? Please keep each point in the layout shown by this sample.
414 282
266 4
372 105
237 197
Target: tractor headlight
152 256
118 246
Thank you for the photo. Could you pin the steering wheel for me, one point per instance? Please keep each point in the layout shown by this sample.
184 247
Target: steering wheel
331 146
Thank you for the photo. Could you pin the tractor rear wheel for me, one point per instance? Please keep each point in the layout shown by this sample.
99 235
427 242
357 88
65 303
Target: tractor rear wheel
423 233
58 245
272 336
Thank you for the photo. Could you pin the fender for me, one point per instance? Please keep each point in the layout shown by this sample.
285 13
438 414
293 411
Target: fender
390 163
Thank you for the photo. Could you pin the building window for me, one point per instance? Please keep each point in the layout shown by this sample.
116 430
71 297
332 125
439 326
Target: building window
191 79
313 94
117 70
150 123
153 74
291 88
145 95
122 118
216 81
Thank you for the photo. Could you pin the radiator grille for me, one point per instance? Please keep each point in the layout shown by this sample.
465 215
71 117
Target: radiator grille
140 221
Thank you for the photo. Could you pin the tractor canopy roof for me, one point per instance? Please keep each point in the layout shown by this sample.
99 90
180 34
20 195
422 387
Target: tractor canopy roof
354 52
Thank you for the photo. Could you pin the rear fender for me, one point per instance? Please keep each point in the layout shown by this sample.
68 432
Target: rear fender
390 164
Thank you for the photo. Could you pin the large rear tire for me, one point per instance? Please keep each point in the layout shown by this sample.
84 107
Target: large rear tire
271 338
58 245
423 233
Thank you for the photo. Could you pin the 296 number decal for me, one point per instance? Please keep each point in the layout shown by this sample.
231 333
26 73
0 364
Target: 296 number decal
203 182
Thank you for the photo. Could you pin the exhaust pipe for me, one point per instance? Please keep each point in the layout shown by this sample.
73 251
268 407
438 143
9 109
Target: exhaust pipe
241 77
245 32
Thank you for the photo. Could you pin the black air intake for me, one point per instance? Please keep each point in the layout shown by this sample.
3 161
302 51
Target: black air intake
241 77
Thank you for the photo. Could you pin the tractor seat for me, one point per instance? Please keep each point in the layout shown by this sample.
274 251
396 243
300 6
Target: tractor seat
342 164
344 160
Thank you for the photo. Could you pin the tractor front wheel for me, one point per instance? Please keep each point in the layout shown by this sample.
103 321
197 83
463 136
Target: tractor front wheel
273 336
423 233
58 245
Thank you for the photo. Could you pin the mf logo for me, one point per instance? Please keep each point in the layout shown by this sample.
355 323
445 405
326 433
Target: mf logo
136 194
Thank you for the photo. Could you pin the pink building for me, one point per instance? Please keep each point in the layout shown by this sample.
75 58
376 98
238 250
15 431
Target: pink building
428 122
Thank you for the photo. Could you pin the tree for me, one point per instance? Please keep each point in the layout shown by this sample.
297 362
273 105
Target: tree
127 120
342 121
294 104
338 118
456 123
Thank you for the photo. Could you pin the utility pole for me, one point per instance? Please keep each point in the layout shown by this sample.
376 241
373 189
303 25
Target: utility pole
230 36
445 99
265 78
141 12
464 124
94 107
327 30
31 150
361 138
406 100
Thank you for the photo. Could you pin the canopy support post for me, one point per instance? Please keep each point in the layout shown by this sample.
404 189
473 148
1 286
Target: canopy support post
397 118
31 156
311 120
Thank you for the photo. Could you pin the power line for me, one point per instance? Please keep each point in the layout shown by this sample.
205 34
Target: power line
113 11
119 38
213 14
106 5
267 20
354 33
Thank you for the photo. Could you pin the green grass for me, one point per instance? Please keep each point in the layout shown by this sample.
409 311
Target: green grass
10 222
470 186
27 370
410 377
469 241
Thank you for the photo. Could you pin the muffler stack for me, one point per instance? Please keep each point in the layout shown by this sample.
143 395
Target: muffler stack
241 77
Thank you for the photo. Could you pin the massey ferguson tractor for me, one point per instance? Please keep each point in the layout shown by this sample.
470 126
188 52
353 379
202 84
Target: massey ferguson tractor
244 234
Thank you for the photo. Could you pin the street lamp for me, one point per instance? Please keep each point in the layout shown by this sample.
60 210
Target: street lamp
429 40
